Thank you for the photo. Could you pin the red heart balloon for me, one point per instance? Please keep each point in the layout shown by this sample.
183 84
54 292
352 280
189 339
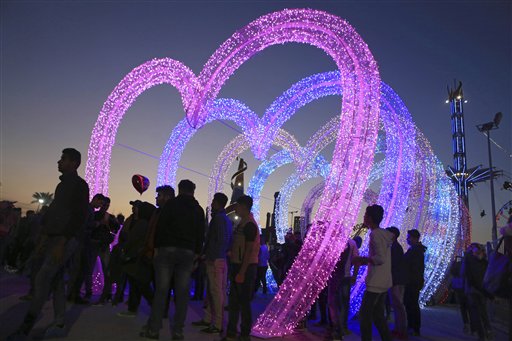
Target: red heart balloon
140 183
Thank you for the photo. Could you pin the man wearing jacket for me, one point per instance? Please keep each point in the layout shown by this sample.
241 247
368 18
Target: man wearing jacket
378 278
399 276
415 267
63 225
218 242
178 242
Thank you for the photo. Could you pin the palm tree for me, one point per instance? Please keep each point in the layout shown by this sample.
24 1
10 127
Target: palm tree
44 198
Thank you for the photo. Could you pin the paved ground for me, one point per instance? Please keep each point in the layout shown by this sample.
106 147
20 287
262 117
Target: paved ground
102 323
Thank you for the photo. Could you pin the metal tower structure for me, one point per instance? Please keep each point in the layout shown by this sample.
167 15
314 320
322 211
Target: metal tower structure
462 177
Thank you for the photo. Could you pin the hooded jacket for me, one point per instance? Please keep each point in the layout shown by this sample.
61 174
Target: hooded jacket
378 278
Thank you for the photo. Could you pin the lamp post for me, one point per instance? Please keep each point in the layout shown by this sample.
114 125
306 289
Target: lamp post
41 201
486 128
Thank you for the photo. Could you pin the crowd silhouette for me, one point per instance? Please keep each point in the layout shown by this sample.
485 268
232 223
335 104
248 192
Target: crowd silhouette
159 249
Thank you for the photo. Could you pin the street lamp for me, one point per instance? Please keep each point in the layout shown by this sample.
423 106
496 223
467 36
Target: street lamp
41 201
486 128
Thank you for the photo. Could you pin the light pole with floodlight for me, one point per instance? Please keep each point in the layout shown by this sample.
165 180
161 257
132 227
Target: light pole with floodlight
486 128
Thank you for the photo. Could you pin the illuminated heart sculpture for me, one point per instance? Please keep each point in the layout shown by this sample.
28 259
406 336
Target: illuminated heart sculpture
354 150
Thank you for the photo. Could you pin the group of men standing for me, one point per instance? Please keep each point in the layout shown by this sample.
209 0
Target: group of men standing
172 240
391 271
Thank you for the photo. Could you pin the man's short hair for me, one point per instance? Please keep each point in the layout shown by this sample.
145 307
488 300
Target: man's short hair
376 212
106 200
414 233
73 155
186 186
221 199
166 190
394 230
246 201
98 196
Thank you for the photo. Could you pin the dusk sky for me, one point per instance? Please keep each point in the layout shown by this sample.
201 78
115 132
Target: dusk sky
60 60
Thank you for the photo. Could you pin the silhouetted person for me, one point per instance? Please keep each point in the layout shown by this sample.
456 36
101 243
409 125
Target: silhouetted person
338 290
263 257
217 245
378 278
62 225
102 236
475 267
139 276
243 260
415 269
458 285
178 243
396 293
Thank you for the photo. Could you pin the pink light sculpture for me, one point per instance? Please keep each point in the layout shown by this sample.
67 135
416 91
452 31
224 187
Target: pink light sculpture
353 155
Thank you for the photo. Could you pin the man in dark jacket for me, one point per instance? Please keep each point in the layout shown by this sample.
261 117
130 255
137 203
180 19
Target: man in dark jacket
399 275
178 242
474 270
415 269
102 236
63 224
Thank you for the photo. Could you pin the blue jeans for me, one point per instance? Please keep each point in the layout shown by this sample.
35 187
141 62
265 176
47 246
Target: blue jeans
171 263
50 278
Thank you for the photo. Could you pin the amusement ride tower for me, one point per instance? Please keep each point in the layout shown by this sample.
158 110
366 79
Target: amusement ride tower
462 177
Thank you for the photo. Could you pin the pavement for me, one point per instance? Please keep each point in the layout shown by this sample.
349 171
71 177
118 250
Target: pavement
86 322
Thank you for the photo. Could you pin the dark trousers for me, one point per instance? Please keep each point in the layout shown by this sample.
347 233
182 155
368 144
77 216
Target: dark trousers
338 297
81 271
138 289
261 279
50 278
372 310
412 307
462 301
240 297
479 316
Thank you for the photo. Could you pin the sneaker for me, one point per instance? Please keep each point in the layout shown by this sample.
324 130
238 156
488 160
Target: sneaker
201 323
399 335
320 323
127 313
148 334
336 337
211 330
17 336
81 301
177 336
27 297
416 333
99 303
55 331
228 338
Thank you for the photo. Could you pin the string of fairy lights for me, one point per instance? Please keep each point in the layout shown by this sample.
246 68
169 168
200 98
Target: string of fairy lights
414 190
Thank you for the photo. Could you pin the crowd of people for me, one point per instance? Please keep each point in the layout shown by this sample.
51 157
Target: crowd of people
159 248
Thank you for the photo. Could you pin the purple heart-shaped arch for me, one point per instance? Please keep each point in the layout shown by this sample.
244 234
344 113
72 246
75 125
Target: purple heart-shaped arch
353 154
